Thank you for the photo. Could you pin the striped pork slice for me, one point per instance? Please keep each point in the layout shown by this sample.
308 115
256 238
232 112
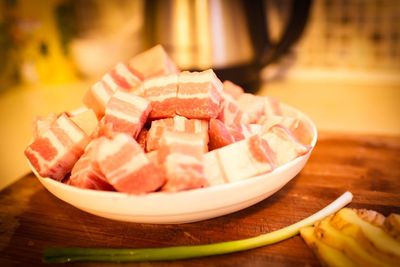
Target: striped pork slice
181 154
232 89
157 129
43 124
54 153
161 92
86 172
153 62
127 113
199 95
230 113
252 105
119 78
177 124
122 77
126 166
97 97
240 160
241 131
296 126
219 135
285 146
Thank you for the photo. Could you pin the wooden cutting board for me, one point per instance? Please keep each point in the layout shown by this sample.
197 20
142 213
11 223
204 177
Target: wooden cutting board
369 166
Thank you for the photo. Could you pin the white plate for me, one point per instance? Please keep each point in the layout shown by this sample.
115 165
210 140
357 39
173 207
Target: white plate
187 206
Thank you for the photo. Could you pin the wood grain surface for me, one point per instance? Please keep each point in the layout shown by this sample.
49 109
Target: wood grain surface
369 166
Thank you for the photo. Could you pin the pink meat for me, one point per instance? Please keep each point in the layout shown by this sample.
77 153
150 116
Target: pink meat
43 124
296 126
199 95
161 92
54 153
127 113
181 155
230 113
183 173
142 138
153 62
177 124
232 89
240 131
219 135
126 166
285 146
122 77
86 173
156 130
97 97
240 160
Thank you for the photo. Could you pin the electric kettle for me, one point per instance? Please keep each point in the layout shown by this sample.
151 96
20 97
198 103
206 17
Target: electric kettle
229 36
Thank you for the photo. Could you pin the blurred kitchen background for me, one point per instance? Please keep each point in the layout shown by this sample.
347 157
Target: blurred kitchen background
338 61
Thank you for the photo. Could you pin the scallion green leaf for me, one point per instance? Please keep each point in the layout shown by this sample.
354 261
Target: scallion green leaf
64 255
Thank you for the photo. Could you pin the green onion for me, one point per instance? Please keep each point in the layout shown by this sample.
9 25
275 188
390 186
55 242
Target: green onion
63 255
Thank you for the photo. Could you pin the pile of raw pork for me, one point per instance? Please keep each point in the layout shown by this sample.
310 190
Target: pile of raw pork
148 127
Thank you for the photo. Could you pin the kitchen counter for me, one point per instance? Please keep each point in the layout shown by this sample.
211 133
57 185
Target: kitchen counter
367 165
344 107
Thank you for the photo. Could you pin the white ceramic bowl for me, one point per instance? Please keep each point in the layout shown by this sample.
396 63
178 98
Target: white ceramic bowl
186 206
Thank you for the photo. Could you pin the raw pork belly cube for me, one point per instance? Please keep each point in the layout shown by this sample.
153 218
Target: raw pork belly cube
97 97
142 138
178 124
240 131
86 172
43 124
54 153
230 113
219 135
127 113
297 127
199 95
161 92
192 126
252 105
86 120
213 171
232 89
284 145
181 155
122 77
240 160
155 132
153 62
126 166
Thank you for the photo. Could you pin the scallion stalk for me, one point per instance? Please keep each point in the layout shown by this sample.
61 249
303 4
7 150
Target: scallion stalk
75 254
